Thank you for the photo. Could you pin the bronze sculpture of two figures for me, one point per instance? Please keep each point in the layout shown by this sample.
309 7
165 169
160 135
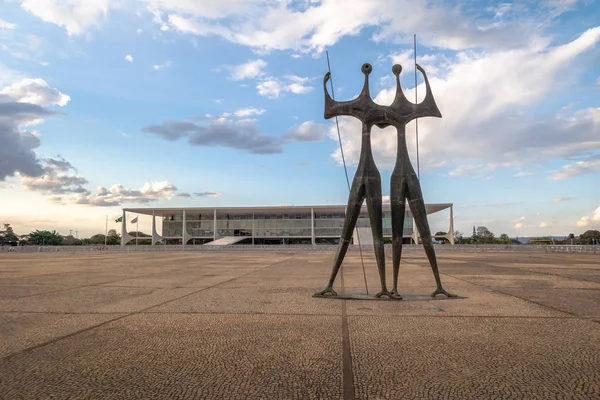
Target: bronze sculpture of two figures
367 180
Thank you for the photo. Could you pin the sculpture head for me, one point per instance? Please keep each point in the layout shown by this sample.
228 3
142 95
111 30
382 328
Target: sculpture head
401 111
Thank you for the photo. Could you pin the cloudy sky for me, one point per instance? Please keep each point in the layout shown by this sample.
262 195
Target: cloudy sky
107 104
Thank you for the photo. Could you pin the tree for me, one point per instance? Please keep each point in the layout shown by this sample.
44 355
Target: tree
96 239
113 237
443 240
590 237
45 238
484 235
71 241
504 239
8 235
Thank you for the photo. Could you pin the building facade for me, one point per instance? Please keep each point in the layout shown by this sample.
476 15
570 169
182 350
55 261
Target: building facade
266 225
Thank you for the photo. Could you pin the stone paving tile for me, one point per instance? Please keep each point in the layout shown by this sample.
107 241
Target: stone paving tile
267 281
474 358
72 278
94 299
15 291
533 281
254 300
581 302
23 330
186 357
478 302
176 279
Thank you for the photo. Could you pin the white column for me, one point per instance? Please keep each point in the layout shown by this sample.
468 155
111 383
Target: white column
125 237
183 230
451 232
312 226
155 236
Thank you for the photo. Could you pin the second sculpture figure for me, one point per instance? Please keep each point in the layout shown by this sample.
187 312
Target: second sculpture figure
367 180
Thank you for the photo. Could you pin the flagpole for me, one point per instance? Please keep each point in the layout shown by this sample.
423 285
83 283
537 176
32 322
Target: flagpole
137 229
106 232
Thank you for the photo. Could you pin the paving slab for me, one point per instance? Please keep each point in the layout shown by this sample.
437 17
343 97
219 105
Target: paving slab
20 331
179 356
91 299
474 358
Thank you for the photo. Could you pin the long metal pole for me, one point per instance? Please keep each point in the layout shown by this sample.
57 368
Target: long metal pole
416 119
106 232
137 229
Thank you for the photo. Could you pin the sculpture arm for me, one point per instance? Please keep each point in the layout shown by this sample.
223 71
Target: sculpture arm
335 108
428 107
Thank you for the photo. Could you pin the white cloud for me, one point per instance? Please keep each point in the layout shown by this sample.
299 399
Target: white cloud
74 15
545 224
312 26
308 131
481 98
5 25
21 106
158 67
129 58
584 221
519 223
249 70
272 87
117 195
307 27
588 220
247 112
35 91
242 134
561 199
576 169
524 173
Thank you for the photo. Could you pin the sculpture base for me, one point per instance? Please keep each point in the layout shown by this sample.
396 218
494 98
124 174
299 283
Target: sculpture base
405 297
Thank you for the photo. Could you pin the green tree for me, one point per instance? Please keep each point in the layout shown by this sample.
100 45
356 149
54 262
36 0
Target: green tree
443 240
8 235
46 238
113 237
71 241
590 237
504 239
484 235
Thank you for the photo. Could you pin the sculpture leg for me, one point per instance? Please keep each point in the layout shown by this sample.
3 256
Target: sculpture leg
355 200
417 207
398 205
373 192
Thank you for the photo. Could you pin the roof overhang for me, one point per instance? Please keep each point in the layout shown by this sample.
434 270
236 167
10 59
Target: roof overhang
161 212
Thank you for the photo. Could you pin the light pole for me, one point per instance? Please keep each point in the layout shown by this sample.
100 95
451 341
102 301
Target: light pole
106 232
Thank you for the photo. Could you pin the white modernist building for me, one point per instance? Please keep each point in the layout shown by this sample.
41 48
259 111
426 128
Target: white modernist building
268 225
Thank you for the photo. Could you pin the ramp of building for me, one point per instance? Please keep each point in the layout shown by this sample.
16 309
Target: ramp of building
227 240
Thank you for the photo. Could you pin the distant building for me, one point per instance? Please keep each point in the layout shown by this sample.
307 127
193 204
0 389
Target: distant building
268 225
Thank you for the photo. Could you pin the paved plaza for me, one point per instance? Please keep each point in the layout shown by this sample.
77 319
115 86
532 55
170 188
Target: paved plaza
243 325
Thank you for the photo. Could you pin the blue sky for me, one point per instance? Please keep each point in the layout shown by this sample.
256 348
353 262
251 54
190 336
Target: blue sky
107 104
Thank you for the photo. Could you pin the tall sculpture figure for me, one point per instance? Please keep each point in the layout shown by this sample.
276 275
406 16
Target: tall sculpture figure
404 183
367 181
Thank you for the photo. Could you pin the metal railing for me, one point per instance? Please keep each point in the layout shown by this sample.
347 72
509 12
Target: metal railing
458 248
